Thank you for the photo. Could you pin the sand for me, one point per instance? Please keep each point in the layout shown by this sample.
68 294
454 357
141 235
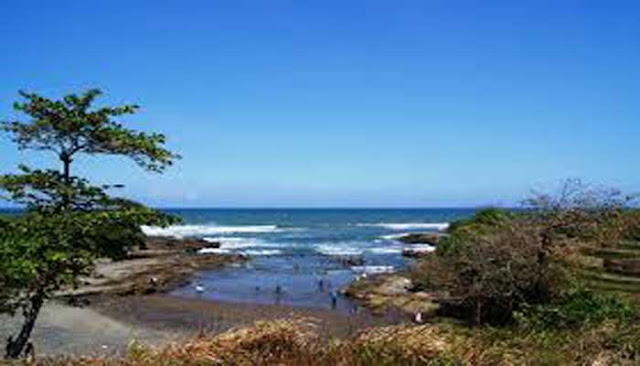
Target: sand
63 329
126 301
108 324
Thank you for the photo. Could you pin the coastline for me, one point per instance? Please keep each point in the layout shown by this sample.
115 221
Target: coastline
163 265
127 301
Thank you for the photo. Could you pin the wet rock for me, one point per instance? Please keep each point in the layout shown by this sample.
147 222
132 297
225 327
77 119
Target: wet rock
352 261
395 285
169 243
420 238
392 292
418 251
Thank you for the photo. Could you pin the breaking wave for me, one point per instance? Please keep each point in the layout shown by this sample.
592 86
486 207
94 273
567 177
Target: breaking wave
338 250
410 225
180 231
372 269
421 248
214 251
255 252
385 250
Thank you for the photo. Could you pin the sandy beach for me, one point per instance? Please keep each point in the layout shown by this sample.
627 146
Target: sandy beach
127 301
109 323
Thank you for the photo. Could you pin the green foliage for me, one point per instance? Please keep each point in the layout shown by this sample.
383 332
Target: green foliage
498 262
68 221
632 227
70 126
49 190
577 308
581 213
487 276
483 221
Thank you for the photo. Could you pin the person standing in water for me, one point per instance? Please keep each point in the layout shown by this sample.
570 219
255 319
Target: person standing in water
334 299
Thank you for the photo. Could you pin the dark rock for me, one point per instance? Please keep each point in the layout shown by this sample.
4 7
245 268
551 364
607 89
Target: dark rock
157 242
416 252
420 238
352 261
207 244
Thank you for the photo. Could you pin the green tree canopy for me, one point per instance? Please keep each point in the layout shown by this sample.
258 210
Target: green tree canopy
70 126
68 222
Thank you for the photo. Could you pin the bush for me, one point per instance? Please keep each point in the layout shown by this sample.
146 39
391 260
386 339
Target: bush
498 261
577 308
632 225
487 276
581 213
483 221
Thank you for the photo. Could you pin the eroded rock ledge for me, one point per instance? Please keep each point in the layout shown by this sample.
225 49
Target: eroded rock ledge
389 292
162 265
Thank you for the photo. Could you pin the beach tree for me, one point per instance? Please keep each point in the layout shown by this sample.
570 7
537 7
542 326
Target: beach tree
67 221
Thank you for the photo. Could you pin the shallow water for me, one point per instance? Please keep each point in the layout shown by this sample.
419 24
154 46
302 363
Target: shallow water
298 255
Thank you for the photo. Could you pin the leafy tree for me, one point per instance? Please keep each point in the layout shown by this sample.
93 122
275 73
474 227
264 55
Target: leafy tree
68 222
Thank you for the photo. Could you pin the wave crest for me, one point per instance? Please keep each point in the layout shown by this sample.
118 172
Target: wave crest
180 231
440 226
338 250
373 269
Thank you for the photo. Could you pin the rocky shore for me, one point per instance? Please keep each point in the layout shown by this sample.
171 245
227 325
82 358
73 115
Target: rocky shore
393 292
422 244
125 301
162 265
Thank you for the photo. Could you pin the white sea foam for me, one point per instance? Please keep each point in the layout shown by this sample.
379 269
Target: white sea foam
230 242
233 242
410 225
421 248
372 269
262 252
338 250
385 250
180 231
213 251
394 236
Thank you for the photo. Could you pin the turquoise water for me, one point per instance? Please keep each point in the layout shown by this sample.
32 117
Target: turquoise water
298 255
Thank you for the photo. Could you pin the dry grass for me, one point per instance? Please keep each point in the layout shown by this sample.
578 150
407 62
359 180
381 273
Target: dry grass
284 342
296 342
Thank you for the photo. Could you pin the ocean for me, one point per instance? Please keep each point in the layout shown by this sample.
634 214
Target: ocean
298 255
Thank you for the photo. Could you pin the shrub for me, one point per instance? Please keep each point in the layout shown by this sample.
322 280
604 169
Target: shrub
483 221
496 262
632 225
577 308
581 213
487 276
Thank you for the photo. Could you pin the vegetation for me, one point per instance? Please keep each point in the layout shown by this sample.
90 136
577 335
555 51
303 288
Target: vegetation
516 278
297 342
67 222
498 263
554 283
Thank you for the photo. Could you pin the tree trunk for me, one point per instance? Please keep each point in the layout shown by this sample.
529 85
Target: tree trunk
67 169
66 161
16 346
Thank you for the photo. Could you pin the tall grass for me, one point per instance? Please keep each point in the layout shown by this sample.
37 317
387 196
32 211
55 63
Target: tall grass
297 342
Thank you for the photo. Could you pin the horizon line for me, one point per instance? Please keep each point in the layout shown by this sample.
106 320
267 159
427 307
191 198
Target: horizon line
311 207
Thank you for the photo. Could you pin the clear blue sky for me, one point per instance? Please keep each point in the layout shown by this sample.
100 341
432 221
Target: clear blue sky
345 103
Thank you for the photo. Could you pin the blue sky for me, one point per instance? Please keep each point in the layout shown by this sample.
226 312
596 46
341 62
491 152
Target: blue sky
344 103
